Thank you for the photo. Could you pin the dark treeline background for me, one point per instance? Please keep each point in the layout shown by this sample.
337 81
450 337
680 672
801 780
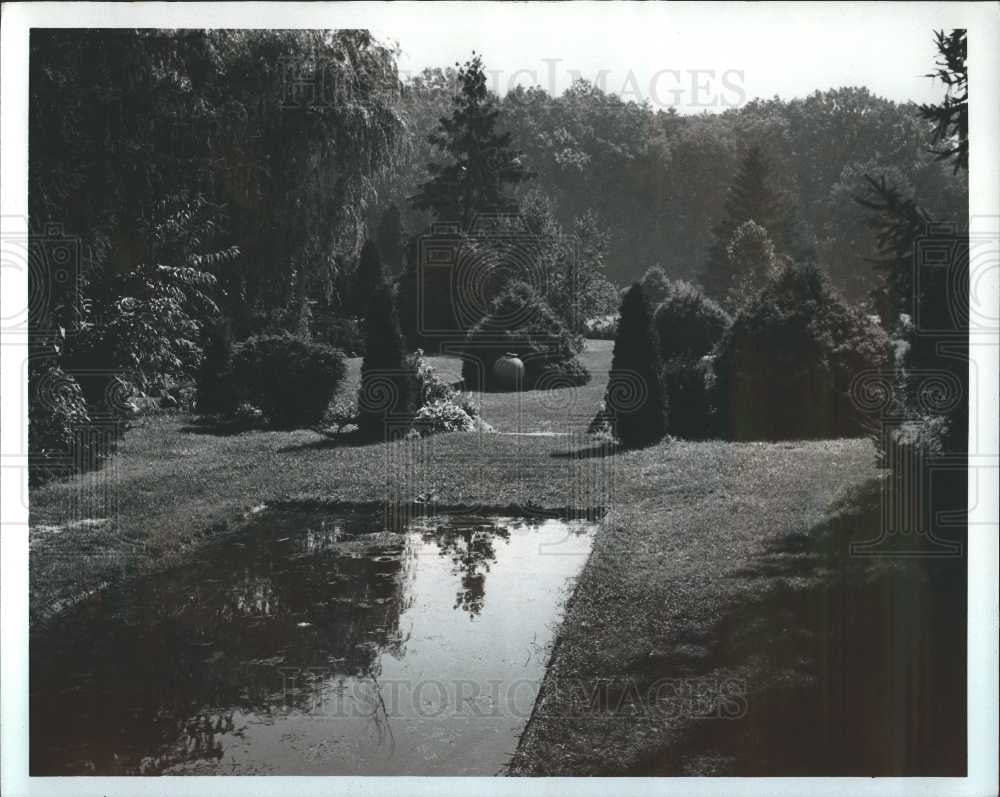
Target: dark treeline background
293 147
658 180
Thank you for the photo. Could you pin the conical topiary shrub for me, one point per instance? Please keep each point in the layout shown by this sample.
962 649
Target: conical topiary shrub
634 401
385 398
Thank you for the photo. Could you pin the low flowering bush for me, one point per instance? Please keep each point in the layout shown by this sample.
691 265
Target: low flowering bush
442 416
603 327
447 415
429 386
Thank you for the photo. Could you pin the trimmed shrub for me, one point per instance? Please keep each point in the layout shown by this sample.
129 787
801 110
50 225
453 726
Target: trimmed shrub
688 323
519 322
565 373
785 366
634 401
689 388
386 397
291 380
655 285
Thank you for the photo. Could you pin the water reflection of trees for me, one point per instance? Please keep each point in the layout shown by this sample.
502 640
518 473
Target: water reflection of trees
471 548
143 680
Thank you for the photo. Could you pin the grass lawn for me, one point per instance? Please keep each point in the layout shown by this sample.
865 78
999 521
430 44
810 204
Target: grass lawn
693 534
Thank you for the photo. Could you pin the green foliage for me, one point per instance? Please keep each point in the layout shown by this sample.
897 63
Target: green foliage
519 322
688 324
340 333
291 380
145 328
785 367
480 160
635 402
57 414
386 399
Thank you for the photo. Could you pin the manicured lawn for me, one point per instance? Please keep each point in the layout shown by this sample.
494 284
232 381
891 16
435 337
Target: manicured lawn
688 528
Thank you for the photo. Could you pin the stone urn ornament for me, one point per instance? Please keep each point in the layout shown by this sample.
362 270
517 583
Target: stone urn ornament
508 371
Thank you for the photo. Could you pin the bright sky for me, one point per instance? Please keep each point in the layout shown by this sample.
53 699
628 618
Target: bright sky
695 56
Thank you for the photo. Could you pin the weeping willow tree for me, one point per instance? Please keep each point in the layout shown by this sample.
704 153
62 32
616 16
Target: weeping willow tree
167 164
319 124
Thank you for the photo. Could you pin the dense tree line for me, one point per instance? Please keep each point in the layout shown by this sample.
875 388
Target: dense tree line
658 181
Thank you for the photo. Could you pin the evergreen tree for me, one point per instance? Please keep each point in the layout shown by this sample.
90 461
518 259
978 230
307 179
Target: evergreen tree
389 238
480 160
370 274
634 401
751 197
385 396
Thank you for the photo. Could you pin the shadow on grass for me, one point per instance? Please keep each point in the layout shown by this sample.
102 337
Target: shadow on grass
330 441
223 427
599 450
848 665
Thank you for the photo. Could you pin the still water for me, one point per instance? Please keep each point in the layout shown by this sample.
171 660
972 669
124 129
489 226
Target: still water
312 644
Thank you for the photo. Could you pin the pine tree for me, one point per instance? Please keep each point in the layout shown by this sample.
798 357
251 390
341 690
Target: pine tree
385 396
370 275
481 161
635 399
751 197
389 238
951 116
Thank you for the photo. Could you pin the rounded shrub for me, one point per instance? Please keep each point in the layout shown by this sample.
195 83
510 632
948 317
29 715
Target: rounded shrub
689 387
785 366
291 380
688 323
521 323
